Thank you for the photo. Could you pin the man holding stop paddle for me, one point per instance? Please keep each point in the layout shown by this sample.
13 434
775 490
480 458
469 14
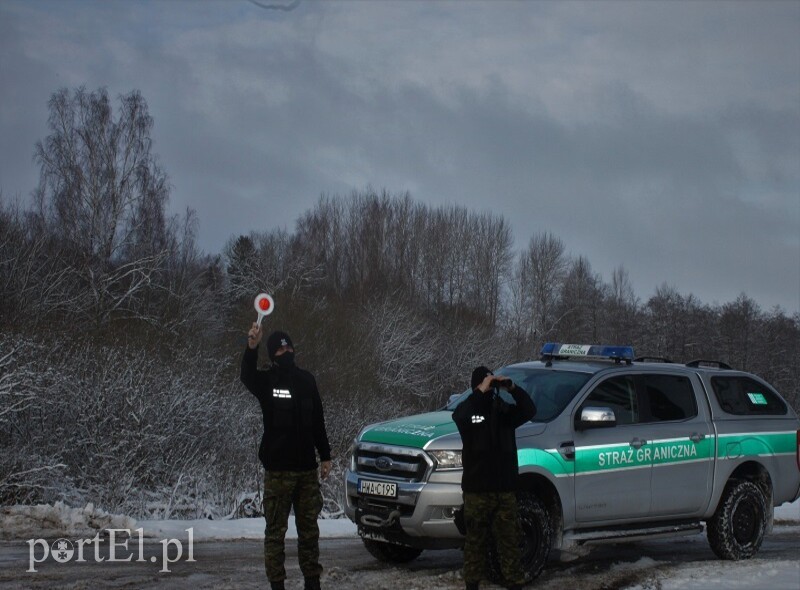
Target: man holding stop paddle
294 432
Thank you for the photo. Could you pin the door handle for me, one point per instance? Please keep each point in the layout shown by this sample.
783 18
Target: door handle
567 449
696 437
638 443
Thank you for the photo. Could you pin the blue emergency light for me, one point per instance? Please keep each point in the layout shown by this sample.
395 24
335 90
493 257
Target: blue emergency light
553 350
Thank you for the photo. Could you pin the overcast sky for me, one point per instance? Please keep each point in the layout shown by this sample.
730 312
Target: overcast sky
661 136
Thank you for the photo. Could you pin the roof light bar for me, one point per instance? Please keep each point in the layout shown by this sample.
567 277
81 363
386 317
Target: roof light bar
589 351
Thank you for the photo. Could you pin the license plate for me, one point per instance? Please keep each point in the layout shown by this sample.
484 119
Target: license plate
377 488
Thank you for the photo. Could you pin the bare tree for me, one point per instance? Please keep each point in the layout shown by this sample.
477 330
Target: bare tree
490 263
581 300
15 396
27 472
674 326
621 309
242 268
777 356
404 346
738 323
102 194
519 325
542 270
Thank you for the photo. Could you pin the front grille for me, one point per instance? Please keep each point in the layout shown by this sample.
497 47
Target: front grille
395 462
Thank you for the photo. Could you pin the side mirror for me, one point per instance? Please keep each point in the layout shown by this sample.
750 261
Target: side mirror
593 417
452 398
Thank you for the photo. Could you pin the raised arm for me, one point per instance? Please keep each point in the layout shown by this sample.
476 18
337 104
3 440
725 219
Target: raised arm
250 375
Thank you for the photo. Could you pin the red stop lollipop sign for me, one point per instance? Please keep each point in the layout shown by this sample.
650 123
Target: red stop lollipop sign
264 306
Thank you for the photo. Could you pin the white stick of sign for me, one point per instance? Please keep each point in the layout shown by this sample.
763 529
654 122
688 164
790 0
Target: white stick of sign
264 306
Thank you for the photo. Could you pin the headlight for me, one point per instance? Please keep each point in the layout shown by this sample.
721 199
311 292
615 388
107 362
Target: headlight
447 459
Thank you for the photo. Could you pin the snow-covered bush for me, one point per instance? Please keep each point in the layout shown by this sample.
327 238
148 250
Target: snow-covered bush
123 428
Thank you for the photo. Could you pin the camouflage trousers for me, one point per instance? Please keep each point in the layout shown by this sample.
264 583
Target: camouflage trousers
494 512
284 490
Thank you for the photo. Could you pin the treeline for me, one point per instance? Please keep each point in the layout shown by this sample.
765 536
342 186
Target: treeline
120 341
451 283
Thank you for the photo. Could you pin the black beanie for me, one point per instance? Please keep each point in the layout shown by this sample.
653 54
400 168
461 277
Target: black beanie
478 375
275 341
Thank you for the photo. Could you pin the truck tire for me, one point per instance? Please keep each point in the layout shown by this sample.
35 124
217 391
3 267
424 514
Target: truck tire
535 543
391 553
737 528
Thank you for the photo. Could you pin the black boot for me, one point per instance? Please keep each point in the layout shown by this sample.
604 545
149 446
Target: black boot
312 583
277 585
472 586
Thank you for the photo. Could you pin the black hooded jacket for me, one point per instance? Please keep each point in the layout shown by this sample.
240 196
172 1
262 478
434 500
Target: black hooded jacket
487 425
291 408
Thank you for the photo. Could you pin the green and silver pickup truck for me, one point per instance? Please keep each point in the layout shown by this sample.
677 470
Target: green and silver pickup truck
619 449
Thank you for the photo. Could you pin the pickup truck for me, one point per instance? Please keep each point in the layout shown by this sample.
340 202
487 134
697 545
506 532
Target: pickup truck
620 449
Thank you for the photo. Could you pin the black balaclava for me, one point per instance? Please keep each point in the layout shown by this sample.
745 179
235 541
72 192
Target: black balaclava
274 342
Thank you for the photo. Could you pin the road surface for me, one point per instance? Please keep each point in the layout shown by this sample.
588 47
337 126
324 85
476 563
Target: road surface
239 565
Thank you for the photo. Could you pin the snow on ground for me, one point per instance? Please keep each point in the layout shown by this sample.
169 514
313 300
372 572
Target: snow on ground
751 574
242 528
788 512
59 520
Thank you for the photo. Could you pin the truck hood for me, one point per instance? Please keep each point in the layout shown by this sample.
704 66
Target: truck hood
414 431
432 431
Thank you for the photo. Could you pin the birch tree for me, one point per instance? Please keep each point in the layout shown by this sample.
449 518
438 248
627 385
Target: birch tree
102 193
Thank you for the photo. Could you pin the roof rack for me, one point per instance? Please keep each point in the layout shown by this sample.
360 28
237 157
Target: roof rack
703 363
652 359
555 350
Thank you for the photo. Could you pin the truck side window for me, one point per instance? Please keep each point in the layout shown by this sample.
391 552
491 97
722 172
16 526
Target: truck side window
743 396
668 397
619 394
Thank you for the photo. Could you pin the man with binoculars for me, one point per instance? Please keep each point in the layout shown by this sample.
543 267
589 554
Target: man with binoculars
487 426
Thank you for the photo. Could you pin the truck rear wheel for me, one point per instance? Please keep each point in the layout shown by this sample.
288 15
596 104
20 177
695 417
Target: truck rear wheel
737 528
535 541
391 553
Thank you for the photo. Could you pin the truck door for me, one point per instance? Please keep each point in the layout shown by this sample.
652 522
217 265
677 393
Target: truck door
612 476
681 445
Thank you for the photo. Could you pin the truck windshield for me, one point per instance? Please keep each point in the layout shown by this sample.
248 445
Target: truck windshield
550 390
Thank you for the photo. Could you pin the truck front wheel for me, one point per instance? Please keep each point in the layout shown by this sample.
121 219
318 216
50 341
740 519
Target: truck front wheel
737 528
389 552
535 541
